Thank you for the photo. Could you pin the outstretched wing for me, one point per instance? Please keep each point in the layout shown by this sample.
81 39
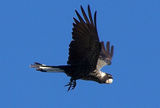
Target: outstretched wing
106 55
85 46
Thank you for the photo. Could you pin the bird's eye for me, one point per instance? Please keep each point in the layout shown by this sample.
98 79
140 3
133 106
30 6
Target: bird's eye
110 76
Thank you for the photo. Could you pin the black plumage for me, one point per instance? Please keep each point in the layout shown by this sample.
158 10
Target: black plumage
87 55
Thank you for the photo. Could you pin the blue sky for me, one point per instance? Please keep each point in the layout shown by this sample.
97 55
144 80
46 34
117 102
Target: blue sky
40 30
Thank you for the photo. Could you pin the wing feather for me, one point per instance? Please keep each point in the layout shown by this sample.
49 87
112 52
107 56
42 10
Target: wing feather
85 46
90 16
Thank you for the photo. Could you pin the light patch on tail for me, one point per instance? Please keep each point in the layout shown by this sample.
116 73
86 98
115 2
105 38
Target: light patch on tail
44 68
51 69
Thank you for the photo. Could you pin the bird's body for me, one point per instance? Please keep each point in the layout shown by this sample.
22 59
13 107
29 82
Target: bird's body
87 55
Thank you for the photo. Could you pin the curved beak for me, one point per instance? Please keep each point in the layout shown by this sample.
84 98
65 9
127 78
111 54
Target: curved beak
109 81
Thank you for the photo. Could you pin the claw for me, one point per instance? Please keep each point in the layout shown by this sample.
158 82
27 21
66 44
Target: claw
68 84
74 84
71 84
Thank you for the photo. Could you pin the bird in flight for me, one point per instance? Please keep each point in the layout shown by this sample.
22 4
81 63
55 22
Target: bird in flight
87 54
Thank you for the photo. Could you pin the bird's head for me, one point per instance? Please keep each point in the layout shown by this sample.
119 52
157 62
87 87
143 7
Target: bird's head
106 78
109 79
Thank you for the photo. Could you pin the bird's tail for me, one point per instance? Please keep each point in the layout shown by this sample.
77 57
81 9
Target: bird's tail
45 68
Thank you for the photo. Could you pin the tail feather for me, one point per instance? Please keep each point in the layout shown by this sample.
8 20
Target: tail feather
45 68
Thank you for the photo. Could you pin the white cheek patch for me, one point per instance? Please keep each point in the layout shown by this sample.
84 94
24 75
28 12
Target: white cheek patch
102 74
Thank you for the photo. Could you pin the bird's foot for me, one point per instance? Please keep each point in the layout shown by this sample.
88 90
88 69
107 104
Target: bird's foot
38 66
71 84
